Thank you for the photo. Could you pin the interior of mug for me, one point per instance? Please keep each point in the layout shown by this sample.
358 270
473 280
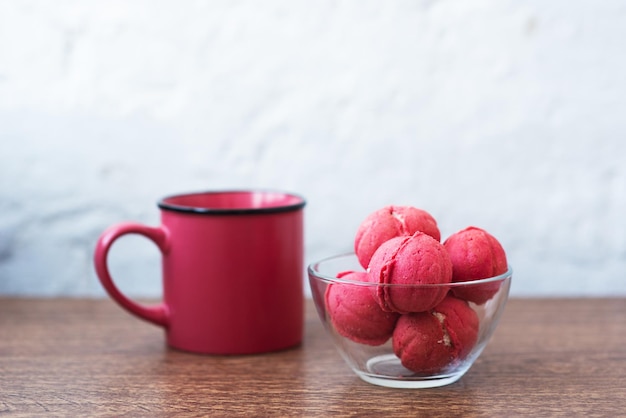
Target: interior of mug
235 201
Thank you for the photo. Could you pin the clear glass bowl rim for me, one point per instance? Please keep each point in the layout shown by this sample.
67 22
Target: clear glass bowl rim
314 272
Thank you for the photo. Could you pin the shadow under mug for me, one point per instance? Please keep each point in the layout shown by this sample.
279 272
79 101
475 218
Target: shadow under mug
232 265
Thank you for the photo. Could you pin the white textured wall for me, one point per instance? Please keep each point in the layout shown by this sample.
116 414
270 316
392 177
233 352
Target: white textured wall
503 114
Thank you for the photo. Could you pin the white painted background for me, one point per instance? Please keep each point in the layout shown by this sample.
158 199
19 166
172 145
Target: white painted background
502 114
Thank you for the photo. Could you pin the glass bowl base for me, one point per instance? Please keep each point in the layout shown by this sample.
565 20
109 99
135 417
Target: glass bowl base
386 370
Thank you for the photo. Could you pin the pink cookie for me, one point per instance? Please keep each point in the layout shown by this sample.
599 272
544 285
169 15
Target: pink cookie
390 222
475 254
355 314
410 260
427 342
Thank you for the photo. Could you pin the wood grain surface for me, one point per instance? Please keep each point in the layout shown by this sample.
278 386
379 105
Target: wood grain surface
69 357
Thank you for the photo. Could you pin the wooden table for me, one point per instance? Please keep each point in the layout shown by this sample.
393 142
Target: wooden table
68 357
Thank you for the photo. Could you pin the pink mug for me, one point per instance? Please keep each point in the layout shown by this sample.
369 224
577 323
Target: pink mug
232 271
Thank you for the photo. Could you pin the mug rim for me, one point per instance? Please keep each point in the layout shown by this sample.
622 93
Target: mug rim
166 204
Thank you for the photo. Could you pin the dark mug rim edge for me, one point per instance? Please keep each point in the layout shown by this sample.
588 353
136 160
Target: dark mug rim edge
164 205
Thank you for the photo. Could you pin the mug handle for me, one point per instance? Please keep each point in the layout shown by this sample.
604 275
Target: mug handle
157 314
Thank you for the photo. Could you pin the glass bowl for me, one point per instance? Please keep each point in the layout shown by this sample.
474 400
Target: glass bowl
431 356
